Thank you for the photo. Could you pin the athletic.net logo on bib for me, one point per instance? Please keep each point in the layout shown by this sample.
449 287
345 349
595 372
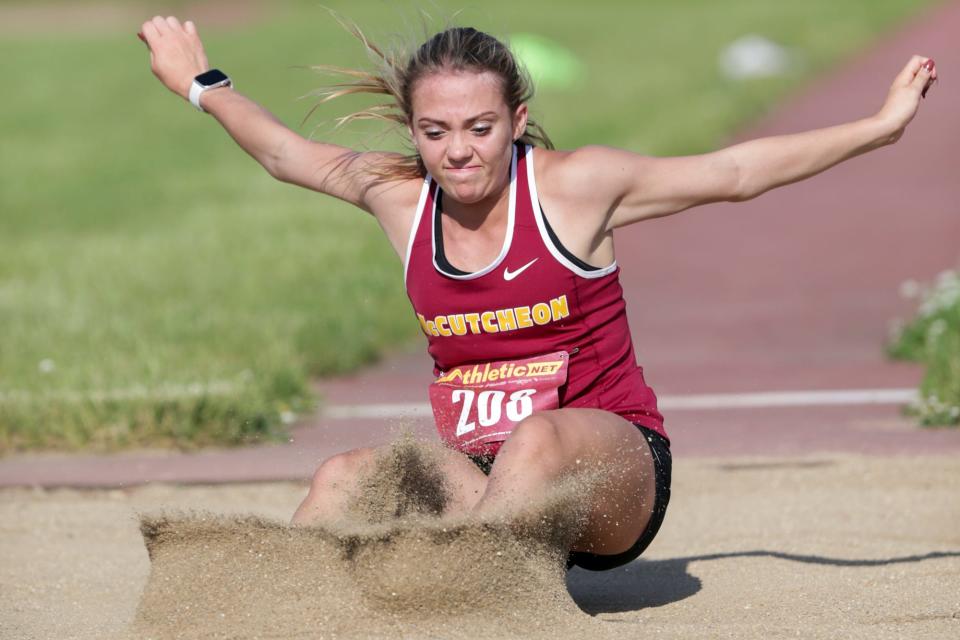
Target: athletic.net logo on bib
477 406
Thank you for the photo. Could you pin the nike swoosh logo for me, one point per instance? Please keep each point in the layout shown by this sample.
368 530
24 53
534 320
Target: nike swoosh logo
510 275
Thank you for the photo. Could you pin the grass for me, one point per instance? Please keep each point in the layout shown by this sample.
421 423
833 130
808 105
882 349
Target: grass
933 338
158 288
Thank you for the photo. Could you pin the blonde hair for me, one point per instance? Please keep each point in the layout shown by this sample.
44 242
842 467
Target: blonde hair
456 48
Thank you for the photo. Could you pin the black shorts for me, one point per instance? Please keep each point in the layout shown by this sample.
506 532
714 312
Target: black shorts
663 466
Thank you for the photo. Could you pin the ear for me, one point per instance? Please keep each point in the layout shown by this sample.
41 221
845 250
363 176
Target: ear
519 121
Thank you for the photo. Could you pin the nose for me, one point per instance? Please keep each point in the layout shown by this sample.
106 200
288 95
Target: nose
459 150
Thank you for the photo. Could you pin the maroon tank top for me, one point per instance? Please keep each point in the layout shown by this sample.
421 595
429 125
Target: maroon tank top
534 298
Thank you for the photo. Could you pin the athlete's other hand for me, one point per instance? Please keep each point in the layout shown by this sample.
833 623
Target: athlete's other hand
176 53
909 87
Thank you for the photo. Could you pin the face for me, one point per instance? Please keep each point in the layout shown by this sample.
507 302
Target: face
464 132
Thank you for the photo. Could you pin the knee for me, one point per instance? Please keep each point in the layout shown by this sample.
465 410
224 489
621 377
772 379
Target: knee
340 471
536 438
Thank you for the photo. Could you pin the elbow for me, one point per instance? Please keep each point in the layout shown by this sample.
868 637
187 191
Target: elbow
747 190
727 178
274 159
273 171
741 186
272 164
742 196
276 172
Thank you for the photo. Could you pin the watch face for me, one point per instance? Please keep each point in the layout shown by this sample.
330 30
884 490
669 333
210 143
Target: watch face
211 77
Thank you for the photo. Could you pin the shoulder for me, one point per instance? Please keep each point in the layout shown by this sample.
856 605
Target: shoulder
394 204
390 197
384 180
589 171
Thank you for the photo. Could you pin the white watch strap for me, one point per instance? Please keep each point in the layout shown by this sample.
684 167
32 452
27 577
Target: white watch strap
195 90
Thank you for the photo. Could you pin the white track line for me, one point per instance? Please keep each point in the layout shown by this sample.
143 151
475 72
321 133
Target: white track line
790 399
388 410
852 397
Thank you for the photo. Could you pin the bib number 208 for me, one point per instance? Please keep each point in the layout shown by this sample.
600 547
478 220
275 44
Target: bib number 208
491 406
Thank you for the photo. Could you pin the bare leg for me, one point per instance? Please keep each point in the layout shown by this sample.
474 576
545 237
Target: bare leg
542 448
338 478
549 444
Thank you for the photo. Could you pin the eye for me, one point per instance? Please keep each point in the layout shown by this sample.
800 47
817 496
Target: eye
433 134
481 129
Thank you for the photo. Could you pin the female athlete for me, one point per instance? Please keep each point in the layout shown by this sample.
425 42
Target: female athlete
508 254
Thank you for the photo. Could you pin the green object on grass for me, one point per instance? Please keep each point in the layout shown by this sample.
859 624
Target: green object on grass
932 337
551 65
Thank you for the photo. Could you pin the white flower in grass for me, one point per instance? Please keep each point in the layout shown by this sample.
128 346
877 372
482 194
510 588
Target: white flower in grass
46 366
935 407
947 279
944 294
909 289
935 330
287 417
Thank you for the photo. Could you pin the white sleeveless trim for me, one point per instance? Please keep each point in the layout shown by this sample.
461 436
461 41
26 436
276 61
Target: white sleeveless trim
416 224
541 225
507 239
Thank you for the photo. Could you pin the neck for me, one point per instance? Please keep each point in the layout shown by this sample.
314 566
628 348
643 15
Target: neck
477 214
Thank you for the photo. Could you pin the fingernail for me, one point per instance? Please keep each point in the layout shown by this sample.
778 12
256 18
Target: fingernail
928 65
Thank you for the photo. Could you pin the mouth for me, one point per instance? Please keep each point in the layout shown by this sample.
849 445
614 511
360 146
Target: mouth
462 170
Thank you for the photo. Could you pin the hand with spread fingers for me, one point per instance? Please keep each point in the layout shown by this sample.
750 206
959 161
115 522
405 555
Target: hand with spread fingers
176 52
909 87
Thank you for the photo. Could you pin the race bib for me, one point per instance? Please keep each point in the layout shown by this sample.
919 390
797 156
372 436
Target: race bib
477 406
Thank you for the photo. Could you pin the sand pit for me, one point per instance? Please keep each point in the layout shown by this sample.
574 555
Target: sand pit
395 566
830 547
233 578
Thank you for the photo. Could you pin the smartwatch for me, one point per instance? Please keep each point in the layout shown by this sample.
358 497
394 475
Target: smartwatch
205 81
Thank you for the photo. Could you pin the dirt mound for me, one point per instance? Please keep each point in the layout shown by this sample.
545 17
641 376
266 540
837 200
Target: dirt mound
395 568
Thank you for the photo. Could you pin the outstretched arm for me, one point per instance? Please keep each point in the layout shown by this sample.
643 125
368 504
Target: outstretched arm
772 162
644 187
177 56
